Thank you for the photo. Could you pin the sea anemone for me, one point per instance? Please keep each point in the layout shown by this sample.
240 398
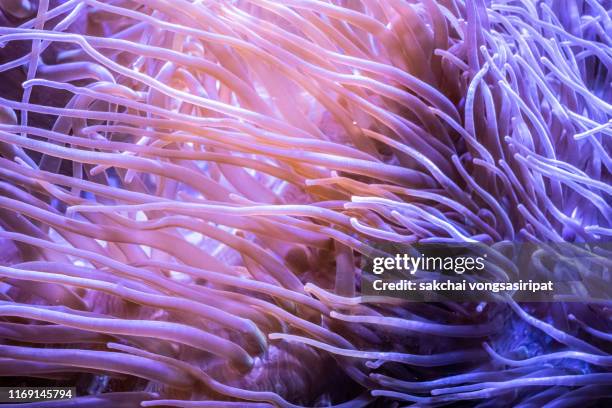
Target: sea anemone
188 189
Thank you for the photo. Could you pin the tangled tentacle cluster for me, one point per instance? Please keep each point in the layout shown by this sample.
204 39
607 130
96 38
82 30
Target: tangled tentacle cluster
187 189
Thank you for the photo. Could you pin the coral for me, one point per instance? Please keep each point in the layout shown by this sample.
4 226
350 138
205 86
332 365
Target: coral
189 187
